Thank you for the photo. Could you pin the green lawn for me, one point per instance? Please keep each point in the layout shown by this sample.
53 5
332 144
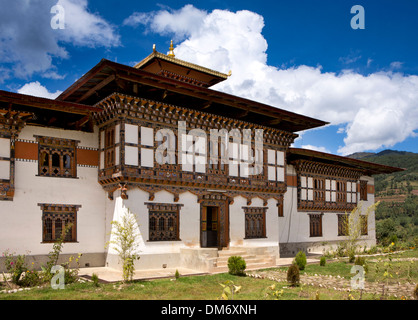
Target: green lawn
207 287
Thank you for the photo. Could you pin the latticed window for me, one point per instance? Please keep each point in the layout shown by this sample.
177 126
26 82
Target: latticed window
363 190
364 226
343 226
55 219
164 222
57 157
319 189
315 225
109 147
255 222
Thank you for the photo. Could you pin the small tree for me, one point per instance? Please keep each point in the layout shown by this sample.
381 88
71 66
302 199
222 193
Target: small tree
125 243
353 227
300 260
293 276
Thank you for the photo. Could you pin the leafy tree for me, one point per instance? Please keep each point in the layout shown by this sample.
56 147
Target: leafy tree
124 240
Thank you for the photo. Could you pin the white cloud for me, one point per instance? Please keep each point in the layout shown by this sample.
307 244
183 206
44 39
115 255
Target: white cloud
315 148
28 43
38 90
84 28
377 110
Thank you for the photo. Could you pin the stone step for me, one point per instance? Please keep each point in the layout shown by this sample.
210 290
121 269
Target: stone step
244 256
248 260
250 266
229 253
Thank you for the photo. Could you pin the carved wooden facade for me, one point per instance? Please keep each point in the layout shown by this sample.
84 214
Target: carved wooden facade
326 187
11 123
131 123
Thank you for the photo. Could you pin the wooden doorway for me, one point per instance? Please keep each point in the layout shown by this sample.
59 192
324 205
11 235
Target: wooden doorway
214 221
210 227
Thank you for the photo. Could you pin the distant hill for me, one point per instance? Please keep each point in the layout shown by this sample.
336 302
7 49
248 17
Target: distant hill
360 155
390 153
398 192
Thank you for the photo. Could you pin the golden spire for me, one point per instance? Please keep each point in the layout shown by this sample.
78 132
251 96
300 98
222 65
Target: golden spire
171 52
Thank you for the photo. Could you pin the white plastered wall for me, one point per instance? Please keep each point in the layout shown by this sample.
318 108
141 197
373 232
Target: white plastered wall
21 219
294 225
155 254
237 224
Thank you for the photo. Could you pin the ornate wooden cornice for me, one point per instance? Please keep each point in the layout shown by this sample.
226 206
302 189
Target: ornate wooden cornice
201 193
306 167
143 111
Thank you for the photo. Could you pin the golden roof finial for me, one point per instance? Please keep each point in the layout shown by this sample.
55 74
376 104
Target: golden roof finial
171 52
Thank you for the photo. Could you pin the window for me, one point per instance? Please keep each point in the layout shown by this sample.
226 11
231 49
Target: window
315 225
341 191
55 218
306 188
109 147
280 210
276 165
255 222
164 224
364 227
363 190
57 157
319 189
343 225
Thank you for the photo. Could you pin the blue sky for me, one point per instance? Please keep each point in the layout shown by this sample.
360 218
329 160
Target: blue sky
302 56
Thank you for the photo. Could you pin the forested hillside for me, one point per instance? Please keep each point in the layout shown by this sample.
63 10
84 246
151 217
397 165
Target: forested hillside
397 214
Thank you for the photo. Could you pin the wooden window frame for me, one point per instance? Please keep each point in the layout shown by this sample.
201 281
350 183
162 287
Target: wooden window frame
318 189
59 215
343 225
109 147
255 214
364 225
363 190
48 149
162 214
280 208
315 225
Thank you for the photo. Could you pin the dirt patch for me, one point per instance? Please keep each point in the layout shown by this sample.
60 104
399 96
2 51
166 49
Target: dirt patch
339 284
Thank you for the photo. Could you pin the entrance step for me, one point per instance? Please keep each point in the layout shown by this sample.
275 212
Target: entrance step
253 261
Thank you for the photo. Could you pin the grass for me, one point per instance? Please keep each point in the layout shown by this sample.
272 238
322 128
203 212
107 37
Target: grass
400 269
185 288
207 287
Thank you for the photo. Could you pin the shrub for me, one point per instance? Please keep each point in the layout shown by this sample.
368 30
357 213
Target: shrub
177 274
361 261
236 265
393 239
15 265
30 278
95 279
293 276
351 257
323 261
300 260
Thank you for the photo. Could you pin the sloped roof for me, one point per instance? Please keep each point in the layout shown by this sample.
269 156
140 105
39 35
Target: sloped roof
369 168
108 77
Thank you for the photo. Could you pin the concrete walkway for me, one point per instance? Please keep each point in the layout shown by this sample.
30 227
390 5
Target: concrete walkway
106 274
